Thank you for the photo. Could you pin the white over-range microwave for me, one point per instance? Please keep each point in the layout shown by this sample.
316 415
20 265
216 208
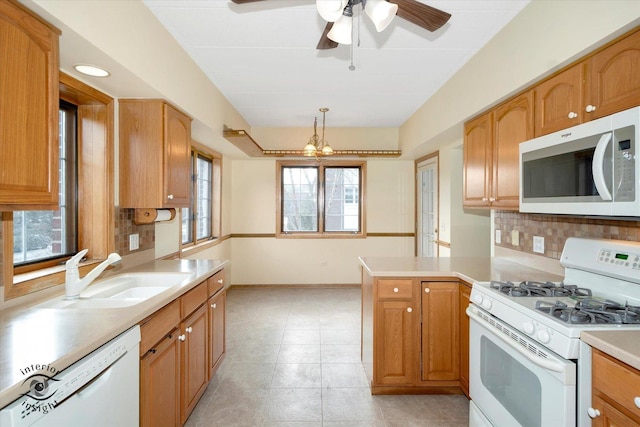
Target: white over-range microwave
589 169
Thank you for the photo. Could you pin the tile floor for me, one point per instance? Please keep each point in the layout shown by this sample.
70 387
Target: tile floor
293 359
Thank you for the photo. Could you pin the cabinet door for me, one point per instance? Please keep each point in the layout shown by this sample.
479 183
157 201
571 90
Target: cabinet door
160 384
513 125
559 101
478 135
177 151
29 82
194 373
610 416
614 80
464 295
217 305
440 335
396 342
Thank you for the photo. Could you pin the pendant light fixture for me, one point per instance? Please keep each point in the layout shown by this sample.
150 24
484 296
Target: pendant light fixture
318 146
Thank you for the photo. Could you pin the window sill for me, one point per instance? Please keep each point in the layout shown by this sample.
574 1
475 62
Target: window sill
193 249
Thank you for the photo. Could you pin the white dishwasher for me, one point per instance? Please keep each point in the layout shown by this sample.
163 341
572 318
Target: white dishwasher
101 389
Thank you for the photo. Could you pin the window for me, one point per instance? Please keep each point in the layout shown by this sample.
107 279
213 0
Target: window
48 235
320 200
85 218
201 220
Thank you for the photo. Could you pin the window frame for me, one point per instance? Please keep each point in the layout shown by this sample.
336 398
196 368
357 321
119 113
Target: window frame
321 233
201 150
95 187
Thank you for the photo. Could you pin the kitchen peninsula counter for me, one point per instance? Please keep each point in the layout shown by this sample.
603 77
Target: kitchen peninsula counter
57 338
468 269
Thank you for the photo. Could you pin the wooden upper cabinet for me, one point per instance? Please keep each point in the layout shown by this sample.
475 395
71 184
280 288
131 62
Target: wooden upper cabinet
155 149
29 150
559 101
513 124
613 78
478 134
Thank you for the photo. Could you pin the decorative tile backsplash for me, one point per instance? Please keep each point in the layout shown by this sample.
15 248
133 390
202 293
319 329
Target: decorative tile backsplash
125 227
556 230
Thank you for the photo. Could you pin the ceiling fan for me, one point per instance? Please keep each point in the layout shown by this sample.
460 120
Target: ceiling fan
338 14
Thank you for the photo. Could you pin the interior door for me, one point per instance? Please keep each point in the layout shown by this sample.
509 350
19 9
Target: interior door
427 203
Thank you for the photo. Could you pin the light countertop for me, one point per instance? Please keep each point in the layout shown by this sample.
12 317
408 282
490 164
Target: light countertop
623 345
469 269
59 337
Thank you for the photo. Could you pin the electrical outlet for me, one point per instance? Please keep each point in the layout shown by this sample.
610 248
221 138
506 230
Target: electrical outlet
134 242
498 236
515 237
538 244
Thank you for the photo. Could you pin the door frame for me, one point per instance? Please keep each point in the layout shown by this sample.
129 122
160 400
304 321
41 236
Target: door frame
434 156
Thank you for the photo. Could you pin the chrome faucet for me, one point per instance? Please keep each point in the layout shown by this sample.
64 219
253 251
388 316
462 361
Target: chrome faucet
73 284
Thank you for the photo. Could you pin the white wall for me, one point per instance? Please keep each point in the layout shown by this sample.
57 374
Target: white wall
267 260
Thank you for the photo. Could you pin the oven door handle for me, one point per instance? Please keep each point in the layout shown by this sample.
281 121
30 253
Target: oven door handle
543 363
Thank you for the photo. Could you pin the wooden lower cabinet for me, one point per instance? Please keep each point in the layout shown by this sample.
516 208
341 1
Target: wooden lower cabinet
464 297
410 335
177 344
195 370
615 396
160 383
217 348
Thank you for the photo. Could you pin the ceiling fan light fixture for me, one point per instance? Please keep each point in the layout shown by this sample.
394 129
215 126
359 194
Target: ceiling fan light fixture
341 30
381 12
331 10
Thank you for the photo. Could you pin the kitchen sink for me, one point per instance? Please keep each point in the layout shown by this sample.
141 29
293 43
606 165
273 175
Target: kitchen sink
119 291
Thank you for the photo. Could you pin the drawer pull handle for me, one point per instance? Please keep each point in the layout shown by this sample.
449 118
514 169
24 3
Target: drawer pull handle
213 305
427 290
396 290
593 413
189 329
153 350
573 115
220 281
409 309
182 337
636 401
590 108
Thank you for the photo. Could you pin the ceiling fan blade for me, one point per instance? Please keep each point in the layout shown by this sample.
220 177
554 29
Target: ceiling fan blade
421 14
325 42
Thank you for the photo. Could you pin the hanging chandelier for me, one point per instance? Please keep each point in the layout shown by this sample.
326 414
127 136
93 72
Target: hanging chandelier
317 146
340 12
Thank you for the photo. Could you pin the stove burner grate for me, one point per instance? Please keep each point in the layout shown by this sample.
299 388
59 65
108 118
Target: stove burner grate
589 310
539 289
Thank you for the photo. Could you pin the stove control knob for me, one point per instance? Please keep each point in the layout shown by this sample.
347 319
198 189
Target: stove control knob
477 298
528 328
544 336
486 304
593 413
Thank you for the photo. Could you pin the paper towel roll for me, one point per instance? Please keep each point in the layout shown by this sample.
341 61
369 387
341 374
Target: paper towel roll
164 215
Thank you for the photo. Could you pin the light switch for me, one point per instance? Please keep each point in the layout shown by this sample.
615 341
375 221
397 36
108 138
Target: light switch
134 242
515 237
498 236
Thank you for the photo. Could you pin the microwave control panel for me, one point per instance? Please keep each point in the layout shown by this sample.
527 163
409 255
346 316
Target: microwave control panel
624 164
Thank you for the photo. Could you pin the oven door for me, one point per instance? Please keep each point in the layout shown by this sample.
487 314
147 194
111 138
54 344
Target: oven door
514 381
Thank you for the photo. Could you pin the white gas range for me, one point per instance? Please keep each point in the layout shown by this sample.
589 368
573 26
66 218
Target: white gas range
525 344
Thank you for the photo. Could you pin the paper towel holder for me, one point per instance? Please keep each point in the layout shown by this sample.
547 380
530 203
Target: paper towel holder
149 216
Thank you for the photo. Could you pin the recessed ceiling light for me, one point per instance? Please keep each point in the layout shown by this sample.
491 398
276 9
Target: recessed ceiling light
91 70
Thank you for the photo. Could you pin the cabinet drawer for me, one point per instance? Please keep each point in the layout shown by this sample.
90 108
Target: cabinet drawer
193 299
215 282
616 380
395 289
155 327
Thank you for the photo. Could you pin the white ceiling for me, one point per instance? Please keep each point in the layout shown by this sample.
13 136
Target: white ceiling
262 57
